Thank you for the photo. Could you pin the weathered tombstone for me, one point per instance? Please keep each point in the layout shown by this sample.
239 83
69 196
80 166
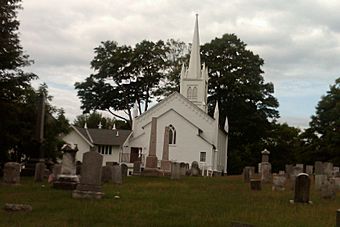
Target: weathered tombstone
279 182
318 168
165 163
39 172
255 184
151 160
319 180
195 170
183 168
336 171
68 179
107 174
56 170
289 170
266 172
175 171
90 180
337 183
328 168
248 173
117 177
301 166
337 218
302 188
328 189
11 173
296 170
124 168
309 169
137 168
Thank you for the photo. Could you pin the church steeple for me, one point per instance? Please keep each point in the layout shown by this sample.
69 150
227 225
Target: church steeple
194 80
194 70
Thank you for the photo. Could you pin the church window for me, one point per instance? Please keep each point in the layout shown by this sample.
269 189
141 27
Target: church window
194 92
203 156
105 149
172 135
189 93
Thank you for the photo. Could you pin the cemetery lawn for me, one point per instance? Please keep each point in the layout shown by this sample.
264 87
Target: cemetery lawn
151 201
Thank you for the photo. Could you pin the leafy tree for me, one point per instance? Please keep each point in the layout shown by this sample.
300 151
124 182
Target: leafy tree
122 75
15 87
322 138
92 120
236 82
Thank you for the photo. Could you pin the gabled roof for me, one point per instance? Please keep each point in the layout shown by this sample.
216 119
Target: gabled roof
103 136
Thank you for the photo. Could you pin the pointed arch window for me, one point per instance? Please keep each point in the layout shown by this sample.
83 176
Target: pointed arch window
172 134
189 93
194 92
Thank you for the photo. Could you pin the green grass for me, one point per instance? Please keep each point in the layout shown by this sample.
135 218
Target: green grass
150 201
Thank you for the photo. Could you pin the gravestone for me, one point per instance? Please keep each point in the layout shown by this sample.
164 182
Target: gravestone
67 179
337 183
151 160
165 163
319 180
328 190
107 172
11 173
289 170
183 168
302 188
301 166
328 168
91 174
255 184
117 177
137 168
39 171
266 172
56 170
336 171
279 182
296 170
175 171
195 170
318 168
248 173
124 170
265 155
309 169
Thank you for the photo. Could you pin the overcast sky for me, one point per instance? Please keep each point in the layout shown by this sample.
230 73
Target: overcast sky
298 40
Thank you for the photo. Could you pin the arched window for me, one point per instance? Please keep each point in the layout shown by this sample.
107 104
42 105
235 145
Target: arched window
172 135
189 93
194 92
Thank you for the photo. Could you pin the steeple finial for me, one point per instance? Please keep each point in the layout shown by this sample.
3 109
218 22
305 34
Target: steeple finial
194 70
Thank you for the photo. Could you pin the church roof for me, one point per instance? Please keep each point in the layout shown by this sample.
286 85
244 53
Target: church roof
103 136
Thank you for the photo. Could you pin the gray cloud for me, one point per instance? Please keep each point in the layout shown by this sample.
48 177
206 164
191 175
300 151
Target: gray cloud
299 40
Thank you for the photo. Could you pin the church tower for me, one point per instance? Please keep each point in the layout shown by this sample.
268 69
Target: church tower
194 80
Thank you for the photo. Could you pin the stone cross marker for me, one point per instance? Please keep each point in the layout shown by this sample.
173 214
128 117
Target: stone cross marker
11 173
91 174
302 188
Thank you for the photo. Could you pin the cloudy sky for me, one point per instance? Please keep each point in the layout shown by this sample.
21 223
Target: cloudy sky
298 40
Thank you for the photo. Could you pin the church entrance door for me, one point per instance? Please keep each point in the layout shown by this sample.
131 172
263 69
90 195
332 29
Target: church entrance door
134 155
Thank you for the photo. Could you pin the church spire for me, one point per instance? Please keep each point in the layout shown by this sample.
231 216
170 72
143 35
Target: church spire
194 70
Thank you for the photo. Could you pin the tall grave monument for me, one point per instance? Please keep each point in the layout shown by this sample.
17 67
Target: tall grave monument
266 167
151 160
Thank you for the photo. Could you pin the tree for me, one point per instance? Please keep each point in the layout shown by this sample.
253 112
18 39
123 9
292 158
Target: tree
122 76
15 87
236 82
322 138
92 121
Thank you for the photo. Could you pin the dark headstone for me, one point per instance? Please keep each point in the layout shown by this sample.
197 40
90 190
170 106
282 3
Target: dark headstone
124 170
255 185
195 170
91 174
137 168
11 173
302 188
183 168
328 190
248 173
117 177
318 168
175 171
39 171
107 172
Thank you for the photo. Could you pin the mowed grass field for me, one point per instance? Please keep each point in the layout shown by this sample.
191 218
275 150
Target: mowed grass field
152 201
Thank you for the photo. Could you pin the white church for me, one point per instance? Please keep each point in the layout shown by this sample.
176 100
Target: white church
193 134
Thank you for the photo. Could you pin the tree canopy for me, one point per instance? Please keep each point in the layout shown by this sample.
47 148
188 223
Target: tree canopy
93 119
